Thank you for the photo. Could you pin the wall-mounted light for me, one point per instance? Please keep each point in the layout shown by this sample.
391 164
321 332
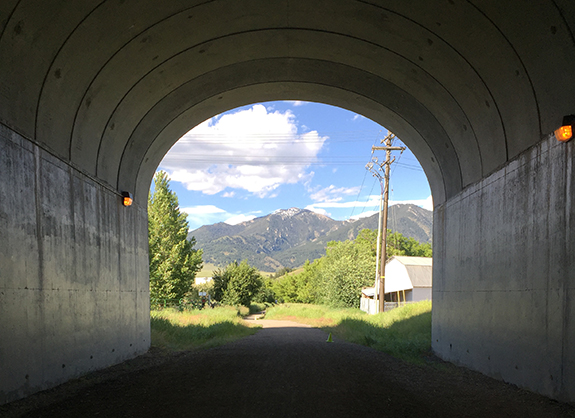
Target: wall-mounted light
127 198
565 132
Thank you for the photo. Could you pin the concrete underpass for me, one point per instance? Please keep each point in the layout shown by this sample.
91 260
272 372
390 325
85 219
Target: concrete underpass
93 93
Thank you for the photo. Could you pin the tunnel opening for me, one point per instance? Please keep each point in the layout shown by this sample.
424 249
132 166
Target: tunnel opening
272 183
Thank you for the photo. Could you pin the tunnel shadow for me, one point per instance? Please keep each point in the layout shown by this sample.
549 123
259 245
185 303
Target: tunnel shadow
408 339
176 337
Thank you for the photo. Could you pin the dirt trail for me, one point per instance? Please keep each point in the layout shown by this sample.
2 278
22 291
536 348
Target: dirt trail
289 370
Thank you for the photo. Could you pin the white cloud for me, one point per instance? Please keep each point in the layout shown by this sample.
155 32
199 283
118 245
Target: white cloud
319 210
371 203
202 209
333 194
238 219
366 214
210 214
296 103
357 117
428 203
203 215
256 150
423 203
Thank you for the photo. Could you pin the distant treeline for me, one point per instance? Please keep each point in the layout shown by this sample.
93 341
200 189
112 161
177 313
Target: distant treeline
336 279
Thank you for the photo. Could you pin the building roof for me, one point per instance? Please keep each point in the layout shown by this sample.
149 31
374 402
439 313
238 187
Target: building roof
412 261
419 274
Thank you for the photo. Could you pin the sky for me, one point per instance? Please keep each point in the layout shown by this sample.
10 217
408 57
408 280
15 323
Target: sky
256 159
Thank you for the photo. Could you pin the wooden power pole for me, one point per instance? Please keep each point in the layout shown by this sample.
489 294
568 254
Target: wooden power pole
383 216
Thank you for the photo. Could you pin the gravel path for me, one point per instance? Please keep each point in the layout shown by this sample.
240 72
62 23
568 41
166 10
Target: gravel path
287 370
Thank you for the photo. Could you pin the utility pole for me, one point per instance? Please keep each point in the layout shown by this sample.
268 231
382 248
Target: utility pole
382 233
376 174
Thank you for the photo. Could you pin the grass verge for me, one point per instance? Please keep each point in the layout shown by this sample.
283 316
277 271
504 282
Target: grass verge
404 332
188 330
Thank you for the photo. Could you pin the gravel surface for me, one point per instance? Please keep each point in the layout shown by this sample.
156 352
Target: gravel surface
285 370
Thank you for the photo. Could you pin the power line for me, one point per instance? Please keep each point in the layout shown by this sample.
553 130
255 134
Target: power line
369 195
278 138
361 187
359 192
263 163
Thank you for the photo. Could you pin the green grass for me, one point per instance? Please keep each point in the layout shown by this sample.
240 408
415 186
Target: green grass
404 332
188 330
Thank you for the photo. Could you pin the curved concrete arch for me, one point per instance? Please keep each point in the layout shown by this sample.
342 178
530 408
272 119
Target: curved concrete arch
31 40
403 26
63 132
417 53
425 90
285 91
94 92
387 95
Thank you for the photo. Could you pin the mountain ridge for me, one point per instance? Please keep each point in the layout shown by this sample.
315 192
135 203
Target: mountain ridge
289 237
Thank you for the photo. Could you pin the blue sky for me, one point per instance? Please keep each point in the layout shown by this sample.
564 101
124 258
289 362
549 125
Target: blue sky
256 159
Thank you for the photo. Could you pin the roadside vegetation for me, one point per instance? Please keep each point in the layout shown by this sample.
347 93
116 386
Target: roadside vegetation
336 279
176 330
326 292
404 332
333 282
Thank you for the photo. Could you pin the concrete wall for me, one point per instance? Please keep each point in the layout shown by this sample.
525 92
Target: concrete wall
74 291
504 273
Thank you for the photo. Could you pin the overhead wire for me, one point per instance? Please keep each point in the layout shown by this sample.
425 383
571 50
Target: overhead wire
256 161
369 195
372 187
284 137
287 160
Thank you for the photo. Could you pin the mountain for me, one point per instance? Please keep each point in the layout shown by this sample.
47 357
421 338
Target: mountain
289 237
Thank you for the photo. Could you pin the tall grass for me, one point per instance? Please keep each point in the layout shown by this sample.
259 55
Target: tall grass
187 330
404 332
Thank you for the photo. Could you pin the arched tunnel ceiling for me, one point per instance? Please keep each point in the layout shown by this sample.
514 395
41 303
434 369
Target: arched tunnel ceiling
111 85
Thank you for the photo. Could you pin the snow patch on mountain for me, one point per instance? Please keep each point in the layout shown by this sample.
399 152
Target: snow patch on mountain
284 213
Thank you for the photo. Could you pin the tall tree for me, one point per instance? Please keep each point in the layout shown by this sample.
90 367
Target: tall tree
173 260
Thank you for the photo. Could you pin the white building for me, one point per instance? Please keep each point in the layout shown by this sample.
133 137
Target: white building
411 276
407 279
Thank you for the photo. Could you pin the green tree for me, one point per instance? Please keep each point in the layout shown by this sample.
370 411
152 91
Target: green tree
347 267
173 260
397 244
266 293
301 287
237 284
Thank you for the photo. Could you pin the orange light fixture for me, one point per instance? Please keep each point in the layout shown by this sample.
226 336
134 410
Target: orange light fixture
127 199
565 132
